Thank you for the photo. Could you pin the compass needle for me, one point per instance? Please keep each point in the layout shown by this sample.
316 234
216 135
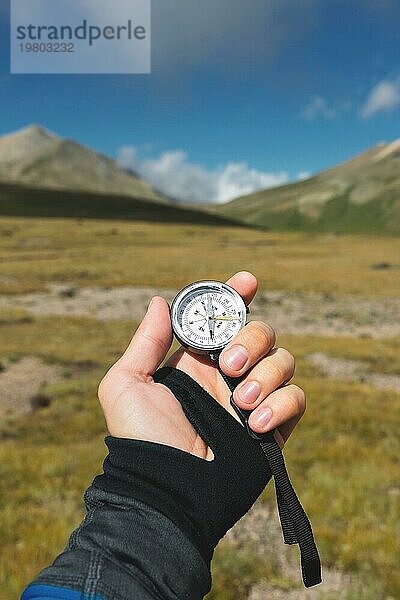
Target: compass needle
226 318
210 315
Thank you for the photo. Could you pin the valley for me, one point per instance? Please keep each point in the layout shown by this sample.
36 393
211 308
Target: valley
72 291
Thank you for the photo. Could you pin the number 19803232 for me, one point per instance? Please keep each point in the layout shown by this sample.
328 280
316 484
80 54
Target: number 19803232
47 47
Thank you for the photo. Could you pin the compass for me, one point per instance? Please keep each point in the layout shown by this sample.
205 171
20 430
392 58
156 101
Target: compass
206 316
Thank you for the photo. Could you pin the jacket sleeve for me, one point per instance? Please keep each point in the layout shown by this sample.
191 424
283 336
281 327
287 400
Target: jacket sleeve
123 549
156 514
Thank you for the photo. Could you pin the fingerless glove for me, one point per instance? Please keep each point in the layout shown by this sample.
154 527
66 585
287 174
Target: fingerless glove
203 498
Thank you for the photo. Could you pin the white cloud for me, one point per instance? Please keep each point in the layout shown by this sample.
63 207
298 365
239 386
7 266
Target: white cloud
318 107
173 174
384 97
237 179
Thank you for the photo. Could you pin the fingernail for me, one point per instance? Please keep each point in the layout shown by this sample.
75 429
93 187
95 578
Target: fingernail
249 392
236 357
262 418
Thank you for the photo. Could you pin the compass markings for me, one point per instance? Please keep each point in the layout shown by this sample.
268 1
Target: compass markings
199 309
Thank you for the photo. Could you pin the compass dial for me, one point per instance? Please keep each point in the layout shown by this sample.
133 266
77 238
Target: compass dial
207 315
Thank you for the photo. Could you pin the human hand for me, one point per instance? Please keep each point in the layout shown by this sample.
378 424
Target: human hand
136 407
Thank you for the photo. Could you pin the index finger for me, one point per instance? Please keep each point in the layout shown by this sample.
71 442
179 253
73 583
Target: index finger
245 284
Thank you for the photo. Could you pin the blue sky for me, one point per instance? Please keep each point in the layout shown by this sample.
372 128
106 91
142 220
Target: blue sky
242 94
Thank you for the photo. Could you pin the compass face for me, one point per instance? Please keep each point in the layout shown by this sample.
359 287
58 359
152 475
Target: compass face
207 315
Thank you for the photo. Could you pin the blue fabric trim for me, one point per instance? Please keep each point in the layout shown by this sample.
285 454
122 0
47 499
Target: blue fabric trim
50 592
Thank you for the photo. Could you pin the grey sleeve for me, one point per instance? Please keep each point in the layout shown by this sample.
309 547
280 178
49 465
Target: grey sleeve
125 550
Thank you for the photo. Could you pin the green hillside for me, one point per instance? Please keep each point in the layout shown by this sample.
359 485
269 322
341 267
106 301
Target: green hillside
359 196
34 156
16 200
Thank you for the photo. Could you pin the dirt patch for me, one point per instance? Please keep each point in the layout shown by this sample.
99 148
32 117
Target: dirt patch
21 383
352 370
106 304
330 315
300 313
260 532
335 585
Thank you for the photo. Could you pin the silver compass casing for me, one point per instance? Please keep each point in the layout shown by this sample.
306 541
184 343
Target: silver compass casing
224 298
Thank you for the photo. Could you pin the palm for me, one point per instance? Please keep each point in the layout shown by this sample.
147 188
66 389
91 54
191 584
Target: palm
140 403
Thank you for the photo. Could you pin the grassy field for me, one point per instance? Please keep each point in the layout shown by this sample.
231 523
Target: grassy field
343 459
36 252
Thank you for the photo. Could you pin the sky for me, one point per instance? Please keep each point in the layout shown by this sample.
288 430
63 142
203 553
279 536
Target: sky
241 96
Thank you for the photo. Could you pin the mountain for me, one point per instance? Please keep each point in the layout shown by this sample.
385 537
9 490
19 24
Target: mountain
35 156
361 195
18 200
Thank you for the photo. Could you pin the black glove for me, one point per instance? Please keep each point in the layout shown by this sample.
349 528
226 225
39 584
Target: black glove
203 498
206 498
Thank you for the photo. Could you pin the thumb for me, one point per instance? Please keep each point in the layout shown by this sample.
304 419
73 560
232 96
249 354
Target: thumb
152 340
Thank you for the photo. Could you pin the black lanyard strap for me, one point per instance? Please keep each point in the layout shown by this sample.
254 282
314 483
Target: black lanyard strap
296 527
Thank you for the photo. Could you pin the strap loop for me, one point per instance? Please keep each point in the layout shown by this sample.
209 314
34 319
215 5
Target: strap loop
296 527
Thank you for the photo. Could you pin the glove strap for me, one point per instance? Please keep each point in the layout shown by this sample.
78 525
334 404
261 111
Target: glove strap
296 527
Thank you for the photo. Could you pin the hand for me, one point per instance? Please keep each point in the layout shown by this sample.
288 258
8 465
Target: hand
136 407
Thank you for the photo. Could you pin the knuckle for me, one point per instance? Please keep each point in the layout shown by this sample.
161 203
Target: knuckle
264 333
297 398
287 359
153 339
276 372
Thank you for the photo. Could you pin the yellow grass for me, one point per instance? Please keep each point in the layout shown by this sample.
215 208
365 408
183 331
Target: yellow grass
343 458
35 252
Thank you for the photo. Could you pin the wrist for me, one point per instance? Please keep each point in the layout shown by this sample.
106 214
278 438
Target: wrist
137 470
